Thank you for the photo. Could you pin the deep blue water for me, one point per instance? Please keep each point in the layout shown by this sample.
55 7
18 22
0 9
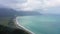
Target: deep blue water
43 24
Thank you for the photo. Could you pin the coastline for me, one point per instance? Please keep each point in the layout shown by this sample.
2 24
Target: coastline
21 27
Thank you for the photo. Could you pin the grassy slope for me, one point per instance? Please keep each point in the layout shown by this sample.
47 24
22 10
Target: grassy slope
5 20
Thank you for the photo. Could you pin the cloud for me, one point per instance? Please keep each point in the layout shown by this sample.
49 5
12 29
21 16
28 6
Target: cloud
30 5
39 4
52 3
12 3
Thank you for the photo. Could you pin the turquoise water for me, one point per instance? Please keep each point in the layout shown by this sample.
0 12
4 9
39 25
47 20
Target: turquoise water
43 24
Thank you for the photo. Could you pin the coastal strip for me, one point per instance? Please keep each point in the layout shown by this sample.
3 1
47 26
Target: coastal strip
22 27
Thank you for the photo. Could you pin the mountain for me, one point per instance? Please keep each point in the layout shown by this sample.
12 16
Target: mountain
7 12
11 12
28 13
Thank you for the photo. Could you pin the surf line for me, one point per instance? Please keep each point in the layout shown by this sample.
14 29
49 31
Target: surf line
22 27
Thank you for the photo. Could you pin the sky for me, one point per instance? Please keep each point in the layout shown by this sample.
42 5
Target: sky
42 6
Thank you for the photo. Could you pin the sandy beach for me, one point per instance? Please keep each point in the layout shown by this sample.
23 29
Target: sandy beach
22 27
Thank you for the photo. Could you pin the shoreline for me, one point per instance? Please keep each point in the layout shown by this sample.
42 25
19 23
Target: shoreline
22 27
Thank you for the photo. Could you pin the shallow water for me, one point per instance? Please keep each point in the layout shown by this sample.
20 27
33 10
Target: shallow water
43 24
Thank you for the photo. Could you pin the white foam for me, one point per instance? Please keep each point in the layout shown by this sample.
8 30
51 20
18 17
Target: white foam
22 27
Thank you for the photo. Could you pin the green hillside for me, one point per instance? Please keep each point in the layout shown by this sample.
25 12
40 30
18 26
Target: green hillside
5 20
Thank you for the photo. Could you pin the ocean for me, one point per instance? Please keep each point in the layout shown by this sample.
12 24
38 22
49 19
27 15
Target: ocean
42 24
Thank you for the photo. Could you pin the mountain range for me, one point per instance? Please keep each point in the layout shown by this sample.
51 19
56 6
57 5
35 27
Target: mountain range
11 12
